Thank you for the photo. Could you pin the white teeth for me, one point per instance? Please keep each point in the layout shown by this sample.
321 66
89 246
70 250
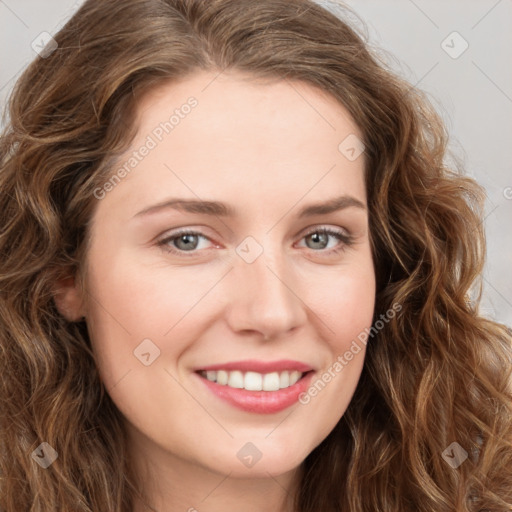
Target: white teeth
222 377
253 381
236 379
271 381
294 377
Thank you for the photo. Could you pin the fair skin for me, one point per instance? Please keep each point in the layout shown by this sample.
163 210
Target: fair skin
267 150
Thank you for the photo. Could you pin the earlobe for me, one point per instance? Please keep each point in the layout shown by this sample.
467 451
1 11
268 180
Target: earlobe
68 299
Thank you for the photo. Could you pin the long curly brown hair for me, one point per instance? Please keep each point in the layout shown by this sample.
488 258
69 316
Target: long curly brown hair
438 373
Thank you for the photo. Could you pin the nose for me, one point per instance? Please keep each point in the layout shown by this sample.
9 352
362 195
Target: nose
264 297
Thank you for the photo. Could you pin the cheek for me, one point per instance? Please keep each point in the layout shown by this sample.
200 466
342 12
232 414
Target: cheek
347 310
130 302
354 307
152 295
346 302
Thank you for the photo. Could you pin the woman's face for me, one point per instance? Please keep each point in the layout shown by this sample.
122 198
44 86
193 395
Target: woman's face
160 307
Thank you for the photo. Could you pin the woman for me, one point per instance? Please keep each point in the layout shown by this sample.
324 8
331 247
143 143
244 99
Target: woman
259 371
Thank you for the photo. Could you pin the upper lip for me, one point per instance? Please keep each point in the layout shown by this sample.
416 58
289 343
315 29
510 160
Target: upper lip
259 366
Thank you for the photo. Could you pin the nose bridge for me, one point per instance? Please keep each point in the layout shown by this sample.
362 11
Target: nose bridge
264 297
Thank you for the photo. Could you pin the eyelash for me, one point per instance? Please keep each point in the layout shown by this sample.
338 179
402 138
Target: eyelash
347 241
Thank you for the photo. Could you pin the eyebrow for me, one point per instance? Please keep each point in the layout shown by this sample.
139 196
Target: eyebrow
220 209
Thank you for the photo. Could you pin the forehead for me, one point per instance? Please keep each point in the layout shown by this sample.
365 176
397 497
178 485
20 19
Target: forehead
237 100
226 137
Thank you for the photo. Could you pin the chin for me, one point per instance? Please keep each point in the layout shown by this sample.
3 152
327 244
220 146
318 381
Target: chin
258 459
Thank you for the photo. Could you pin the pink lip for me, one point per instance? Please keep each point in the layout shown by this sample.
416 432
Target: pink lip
260 366
260 402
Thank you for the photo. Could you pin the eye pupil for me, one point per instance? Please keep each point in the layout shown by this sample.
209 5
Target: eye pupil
186 237
319 237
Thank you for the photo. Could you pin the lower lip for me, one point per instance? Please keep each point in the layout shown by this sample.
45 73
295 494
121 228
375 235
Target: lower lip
260 402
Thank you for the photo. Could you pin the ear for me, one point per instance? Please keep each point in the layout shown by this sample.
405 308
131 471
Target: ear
68 299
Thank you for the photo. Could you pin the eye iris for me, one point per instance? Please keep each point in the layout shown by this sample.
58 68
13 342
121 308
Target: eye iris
188 243
319 235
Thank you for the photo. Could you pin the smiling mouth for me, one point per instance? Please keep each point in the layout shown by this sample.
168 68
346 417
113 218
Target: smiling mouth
254 392
253 381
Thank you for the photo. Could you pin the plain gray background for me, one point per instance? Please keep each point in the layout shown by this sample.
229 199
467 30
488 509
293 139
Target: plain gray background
422 41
